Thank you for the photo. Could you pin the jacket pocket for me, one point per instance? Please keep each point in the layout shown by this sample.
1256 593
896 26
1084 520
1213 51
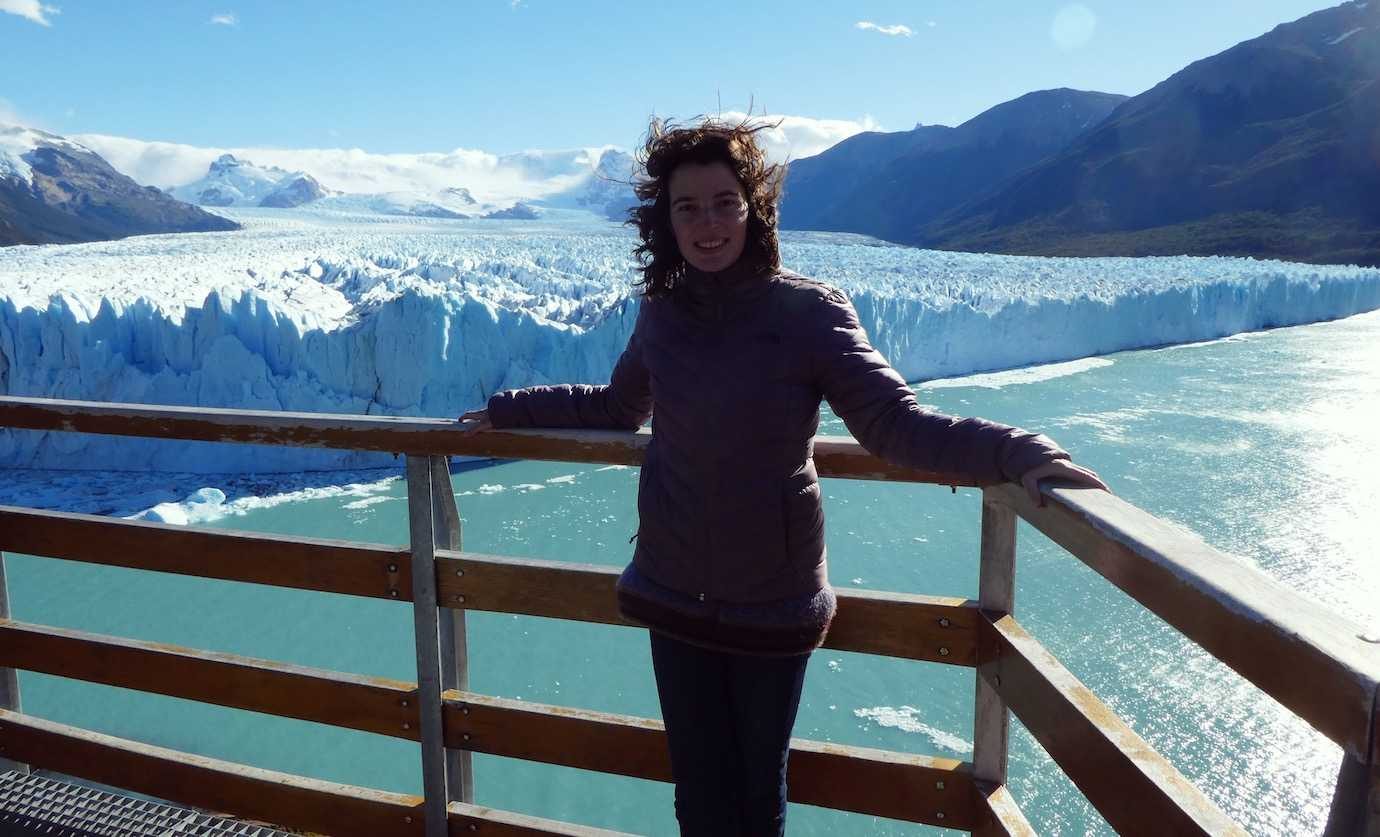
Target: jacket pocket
804 522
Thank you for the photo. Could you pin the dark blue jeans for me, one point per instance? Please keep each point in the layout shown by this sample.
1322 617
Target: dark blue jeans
728 721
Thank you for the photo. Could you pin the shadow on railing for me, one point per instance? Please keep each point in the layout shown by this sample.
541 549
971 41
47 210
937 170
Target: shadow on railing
1314 663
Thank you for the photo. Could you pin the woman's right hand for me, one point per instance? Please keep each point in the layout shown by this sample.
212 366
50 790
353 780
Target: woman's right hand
475 421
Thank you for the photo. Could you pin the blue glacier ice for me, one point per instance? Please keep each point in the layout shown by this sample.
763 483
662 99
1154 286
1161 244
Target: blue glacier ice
310 310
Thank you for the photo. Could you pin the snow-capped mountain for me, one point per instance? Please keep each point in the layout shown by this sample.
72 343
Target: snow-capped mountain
231 181
517 212
54 190
609 190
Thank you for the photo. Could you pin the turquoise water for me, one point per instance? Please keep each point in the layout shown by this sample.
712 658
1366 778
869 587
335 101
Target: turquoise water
1263 444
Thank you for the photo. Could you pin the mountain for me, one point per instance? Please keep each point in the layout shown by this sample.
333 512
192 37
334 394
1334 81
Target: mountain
1271 148
53 190
609 191
885 184
517 212
231 181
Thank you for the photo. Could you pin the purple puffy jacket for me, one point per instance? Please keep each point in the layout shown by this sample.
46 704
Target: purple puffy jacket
734 367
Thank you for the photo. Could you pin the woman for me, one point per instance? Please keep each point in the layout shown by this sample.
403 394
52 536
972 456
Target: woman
733 355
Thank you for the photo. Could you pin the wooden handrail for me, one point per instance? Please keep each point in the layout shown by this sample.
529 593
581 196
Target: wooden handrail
835 456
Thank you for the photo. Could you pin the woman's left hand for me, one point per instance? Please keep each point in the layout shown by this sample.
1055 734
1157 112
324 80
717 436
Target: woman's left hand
1062 470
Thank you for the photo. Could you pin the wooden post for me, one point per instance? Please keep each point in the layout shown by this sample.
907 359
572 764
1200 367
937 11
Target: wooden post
455 672
426 622
996 594
1356 801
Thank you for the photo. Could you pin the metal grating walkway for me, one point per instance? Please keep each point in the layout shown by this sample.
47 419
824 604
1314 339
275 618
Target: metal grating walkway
40 805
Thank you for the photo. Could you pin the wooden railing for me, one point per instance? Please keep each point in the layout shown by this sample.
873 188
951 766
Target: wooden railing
1316 664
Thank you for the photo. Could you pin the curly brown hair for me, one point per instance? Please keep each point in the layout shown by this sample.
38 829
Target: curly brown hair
707 141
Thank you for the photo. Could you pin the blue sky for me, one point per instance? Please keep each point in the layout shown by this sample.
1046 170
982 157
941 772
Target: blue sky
503 76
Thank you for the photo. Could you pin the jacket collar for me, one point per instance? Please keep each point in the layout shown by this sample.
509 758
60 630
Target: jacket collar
730 287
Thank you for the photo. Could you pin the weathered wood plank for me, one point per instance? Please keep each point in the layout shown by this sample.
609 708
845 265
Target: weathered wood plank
896 785
996 595
353 701
582 738
998 815
1311 660
936 629
835 456
467 820
900 786
332 566
932 628
1134 787
265 795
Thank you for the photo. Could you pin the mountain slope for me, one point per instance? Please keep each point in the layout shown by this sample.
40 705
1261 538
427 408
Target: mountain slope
1271 148
886 184
53 190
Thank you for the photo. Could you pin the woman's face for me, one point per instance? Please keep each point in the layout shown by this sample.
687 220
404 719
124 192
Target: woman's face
708 215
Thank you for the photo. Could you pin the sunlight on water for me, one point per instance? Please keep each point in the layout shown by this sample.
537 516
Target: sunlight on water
1264 445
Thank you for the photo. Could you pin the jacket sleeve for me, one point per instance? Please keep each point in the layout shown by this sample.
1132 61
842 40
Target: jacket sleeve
882 414
625 403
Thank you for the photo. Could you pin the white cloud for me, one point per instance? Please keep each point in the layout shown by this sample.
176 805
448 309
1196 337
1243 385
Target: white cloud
802 136
31 9
226 19
895 29
1073 26
490 177
10 115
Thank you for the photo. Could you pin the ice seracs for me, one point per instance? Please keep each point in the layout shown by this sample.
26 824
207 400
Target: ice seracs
310 310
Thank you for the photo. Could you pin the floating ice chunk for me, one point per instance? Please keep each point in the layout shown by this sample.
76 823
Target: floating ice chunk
201 506
907 719
367 502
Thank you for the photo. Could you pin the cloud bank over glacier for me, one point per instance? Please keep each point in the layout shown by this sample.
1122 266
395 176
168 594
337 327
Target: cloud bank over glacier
524 175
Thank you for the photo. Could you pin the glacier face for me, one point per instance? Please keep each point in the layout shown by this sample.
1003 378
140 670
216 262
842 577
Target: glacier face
308 310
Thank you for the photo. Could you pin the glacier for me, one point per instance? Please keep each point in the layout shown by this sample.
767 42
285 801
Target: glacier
314 310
